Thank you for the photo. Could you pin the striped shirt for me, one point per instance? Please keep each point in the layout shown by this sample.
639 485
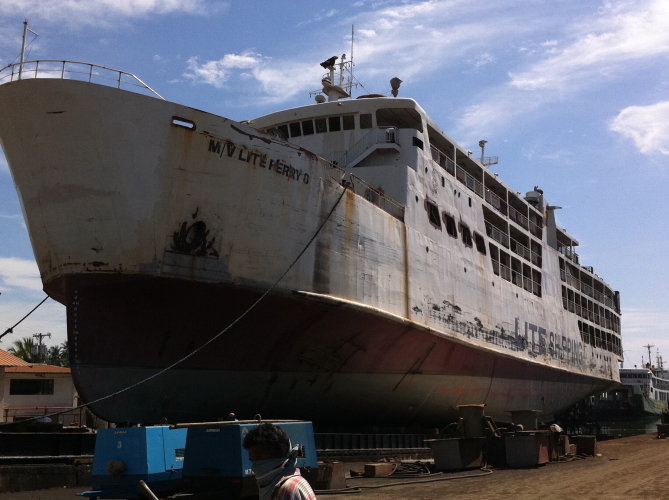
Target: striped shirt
294 487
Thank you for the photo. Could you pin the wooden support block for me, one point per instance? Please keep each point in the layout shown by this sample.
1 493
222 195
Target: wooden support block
377 470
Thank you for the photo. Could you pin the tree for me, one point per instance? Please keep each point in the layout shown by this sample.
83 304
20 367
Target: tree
57 355
23 349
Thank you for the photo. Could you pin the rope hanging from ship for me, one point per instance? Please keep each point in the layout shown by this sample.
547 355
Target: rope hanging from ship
214 338
11 329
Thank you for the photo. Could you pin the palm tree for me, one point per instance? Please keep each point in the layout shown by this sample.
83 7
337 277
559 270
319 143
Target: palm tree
23 349
57 355
64 359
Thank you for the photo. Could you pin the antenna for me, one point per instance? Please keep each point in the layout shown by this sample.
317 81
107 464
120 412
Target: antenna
352 63
650 356
23 45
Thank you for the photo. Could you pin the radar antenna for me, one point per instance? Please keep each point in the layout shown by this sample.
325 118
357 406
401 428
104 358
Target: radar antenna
337 84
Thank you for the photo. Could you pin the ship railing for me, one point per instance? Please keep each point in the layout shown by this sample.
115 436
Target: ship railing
463 176
574 281
498 203
587 289
74 418
536 259
520 249
518 218
536 288
573 307
374 137
569 253
535 230
501 270
450 166
74 70
442 159
599 296
496 234
377 197
528 284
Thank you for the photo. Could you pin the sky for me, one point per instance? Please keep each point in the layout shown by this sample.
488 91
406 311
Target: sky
572 95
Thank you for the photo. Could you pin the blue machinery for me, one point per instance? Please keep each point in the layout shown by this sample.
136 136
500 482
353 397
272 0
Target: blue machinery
197 461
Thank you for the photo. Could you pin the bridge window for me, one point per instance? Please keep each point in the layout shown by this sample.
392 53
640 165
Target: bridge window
295 130
307 127
399 117
335 123
349 122
284 130
366 120
321 125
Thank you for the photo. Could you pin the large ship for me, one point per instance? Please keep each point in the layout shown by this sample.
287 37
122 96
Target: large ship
422 280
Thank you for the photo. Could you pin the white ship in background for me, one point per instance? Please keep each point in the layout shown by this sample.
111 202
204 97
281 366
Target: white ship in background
431 284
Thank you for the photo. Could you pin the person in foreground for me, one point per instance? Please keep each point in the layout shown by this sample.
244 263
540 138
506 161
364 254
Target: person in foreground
274 463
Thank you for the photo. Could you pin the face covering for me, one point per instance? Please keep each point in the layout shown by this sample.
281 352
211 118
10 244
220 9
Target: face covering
269 472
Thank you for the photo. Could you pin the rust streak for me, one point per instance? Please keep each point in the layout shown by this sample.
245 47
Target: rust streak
405 247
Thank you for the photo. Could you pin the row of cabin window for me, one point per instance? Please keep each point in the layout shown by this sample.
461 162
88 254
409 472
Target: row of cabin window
322 125
452 228
598 338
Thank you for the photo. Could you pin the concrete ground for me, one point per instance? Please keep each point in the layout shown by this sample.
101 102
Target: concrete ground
629 469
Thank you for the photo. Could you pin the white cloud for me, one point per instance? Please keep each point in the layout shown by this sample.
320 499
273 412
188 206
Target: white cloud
618 39
217 72
319 16
614 36
482 60
20 273
4 166
386 45
100 12
647 126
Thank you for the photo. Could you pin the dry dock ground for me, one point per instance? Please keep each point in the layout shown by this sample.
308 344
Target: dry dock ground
629 469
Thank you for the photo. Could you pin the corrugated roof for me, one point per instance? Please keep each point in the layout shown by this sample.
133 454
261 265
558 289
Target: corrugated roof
37 369
7 359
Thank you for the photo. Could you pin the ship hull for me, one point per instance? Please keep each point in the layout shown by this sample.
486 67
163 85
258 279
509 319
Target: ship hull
314 359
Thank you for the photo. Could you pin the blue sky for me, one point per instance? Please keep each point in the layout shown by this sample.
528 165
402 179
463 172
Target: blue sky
572 95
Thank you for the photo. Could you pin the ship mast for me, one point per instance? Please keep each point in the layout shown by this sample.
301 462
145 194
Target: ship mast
650 356
23 45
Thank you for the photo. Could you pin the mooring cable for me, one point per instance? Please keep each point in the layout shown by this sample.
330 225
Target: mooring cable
11 329
166 369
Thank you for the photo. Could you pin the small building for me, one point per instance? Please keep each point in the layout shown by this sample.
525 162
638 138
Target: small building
29 390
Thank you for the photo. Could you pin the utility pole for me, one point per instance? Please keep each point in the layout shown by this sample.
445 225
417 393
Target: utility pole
39 349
